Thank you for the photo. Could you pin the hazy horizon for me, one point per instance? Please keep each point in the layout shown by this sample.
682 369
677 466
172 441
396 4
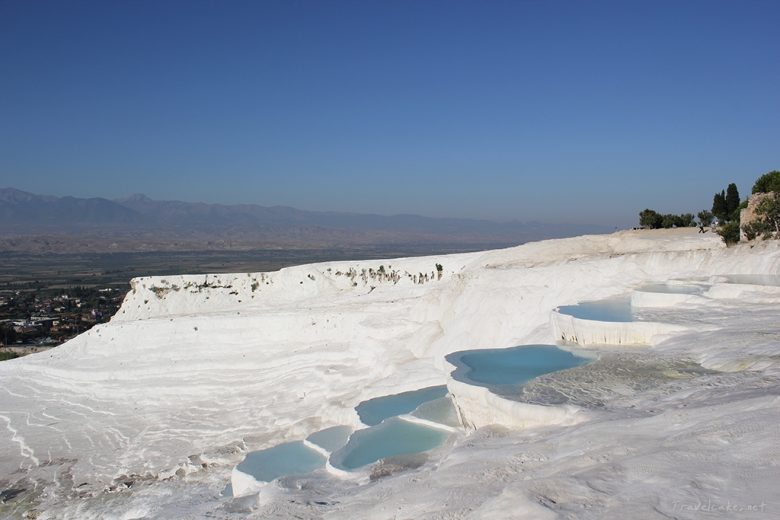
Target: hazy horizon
153 198
506 111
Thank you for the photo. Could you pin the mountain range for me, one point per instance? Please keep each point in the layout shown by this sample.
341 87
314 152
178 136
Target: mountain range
163 225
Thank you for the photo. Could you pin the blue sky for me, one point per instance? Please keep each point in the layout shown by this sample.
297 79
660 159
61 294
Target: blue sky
585 111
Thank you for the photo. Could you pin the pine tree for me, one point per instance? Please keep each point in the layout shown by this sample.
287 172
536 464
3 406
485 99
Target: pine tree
732 199
719 206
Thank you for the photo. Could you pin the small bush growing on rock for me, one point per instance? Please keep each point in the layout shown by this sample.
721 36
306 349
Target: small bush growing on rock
767 223
730 232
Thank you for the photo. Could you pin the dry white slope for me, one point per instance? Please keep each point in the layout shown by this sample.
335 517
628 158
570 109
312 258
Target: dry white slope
195 370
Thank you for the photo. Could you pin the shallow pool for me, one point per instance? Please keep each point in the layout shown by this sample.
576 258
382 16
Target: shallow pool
511 366
374 411
392 437
290 458
611 309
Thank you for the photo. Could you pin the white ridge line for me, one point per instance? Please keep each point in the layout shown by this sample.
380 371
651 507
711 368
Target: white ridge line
425 422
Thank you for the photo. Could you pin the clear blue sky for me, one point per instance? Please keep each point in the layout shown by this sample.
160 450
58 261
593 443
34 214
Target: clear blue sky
584 111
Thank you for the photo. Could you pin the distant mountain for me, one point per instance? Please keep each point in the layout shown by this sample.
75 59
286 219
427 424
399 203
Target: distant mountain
20 210
220 226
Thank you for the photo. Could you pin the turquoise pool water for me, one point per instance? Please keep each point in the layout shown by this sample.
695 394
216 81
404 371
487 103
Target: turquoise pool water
612 309
374 411
512 367
387 436
393 436
330 439
291 458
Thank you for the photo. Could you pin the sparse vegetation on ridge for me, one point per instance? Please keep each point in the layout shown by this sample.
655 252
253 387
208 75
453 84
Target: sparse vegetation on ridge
768 182
726 213
651 219
764 208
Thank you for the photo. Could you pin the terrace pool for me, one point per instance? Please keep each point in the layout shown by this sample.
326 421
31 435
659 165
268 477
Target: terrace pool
374 411
511 367
290 458
387 435
612 309
392 437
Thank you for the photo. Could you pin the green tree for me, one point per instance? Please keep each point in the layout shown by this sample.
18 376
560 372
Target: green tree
669 221
705 217
686 220
719 206
732 199
650 219
768 182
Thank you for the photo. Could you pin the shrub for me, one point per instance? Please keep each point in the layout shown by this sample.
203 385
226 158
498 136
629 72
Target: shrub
730 232
4 356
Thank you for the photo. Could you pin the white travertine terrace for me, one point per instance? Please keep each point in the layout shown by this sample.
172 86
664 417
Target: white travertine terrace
605 333
145 416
